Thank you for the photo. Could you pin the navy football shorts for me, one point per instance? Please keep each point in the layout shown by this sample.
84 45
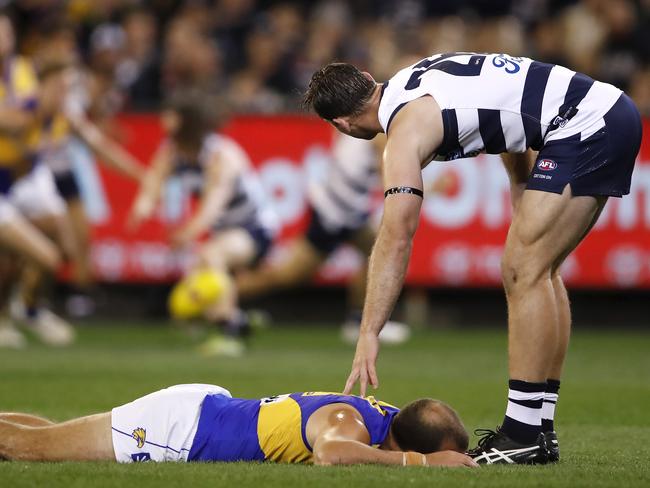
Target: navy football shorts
66 185
600 165
326 240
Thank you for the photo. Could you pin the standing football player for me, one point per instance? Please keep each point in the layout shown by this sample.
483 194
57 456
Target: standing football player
456 105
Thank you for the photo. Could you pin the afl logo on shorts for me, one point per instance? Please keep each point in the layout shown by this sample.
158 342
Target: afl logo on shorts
546 164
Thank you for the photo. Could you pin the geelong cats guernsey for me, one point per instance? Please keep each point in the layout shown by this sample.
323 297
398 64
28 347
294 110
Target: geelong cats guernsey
498 103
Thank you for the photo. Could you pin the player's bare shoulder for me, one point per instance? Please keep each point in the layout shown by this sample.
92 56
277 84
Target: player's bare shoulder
339 419
418 127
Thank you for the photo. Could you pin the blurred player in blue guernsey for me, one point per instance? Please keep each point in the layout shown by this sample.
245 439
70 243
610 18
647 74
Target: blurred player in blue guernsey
204 423
571 143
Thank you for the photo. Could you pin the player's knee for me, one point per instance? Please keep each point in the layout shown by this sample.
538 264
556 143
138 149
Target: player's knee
52 260
520 272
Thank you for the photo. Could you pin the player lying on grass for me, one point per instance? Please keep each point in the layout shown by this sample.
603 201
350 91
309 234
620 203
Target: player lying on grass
204 423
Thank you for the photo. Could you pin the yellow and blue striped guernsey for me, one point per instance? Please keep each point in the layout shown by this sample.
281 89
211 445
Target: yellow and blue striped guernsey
273 429
18 89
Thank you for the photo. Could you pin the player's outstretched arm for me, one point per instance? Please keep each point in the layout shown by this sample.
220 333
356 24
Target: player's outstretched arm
110 152
220 182
343 439
151 185
415 133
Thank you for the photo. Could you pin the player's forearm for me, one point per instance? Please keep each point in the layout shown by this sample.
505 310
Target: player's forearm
108 151
118 158
14 120
353 452
386 273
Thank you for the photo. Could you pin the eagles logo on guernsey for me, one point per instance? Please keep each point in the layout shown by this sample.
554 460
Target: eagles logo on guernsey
273 429
498 103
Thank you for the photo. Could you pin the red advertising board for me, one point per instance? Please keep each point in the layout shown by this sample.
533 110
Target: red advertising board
459 241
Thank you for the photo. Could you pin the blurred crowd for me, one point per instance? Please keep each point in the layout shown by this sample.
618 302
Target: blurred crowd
259 54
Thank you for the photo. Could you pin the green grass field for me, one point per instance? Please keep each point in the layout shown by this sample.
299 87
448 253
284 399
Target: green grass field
604 409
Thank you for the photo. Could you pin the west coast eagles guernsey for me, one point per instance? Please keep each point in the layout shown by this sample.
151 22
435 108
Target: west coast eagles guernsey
273 429
498 103
18 89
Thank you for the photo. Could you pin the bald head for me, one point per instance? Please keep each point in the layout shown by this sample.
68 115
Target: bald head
428 425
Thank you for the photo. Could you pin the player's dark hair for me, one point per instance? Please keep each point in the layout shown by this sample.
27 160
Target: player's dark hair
338 90
199 114
52 68
425 425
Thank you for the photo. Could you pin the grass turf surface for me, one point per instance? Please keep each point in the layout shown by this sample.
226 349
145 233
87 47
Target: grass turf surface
603 414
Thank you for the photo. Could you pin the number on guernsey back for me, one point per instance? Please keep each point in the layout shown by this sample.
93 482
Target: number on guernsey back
273 399
445 63
509 63
473 67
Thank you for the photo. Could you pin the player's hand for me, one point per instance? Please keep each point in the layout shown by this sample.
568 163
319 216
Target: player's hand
180 239
134 220
450 459
363 366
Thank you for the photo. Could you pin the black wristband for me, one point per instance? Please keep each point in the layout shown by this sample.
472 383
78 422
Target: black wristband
404 189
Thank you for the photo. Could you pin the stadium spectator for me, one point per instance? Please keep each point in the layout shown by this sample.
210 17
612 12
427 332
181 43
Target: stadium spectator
264 51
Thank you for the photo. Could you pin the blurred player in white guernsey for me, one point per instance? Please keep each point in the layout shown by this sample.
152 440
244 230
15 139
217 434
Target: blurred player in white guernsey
233 208
341 206
456 105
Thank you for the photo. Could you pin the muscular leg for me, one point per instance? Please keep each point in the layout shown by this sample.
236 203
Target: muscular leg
564 306
545 229
21 237
227 251
25 419
300 265
58 228
81 236
83 439
564 327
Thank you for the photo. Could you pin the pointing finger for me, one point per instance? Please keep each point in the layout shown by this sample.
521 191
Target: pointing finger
352 379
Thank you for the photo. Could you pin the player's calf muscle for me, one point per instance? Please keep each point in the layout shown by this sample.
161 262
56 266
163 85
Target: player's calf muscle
84 439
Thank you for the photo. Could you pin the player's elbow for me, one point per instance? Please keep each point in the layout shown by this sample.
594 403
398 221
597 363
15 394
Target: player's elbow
400 231
333 452
401 221
324 455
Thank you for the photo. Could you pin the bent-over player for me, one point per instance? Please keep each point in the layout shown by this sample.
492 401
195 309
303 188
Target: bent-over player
456 105
204 423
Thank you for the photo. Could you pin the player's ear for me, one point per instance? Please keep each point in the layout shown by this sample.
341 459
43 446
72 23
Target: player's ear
368 75
342 124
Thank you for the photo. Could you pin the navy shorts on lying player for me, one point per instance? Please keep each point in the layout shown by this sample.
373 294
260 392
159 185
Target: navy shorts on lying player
600 165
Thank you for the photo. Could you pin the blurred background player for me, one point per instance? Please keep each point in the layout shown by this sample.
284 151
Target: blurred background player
56 122
88 103
232 208
341 210
28 199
